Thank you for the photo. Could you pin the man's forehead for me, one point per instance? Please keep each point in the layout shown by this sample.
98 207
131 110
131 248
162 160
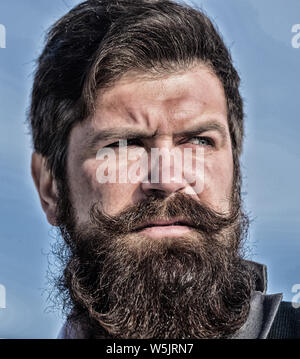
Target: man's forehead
166 105
179 96
197 84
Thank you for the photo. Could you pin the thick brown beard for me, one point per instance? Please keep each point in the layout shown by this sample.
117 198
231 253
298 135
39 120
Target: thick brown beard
125 285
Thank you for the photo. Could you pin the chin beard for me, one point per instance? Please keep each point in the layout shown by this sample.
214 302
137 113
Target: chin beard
122 284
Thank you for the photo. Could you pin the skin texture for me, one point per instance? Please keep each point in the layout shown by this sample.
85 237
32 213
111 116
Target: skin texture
162 106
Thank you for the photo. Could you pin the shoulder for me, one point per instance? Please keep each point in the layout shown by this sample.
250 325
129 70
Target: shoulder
286 324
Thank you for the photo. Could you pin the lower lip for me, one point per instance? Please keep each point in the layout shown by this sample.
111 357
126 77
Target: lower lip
162 231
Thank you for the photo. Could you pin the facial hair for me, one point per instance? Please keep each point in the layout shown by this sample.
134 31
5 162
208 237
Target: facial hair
120 283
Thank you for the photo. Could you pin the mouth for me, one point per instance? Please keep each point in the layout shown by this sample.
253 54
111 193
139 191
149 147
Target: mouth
159 228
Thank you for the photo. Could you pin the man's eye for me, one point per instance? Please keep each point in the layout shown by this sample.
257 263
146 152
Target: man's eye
203 141
124 143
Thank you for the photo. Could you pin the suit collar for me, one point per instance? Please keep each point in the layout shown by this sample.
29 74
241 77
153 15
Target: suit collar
263 307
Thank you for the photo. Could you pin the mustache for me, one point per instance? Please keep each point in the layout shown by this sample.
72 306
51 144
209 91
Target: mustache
198 215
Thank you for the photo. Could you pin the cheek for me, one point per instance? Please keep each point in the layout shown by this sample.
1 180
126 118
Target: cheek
83 189
218 180
112 195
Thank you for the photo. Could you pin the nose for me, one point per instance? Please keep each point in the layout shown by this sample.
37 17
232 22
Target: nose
165 175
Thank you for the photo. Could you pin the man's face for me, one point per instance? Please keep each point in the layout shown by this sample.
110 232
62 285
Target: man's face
164 108
130 269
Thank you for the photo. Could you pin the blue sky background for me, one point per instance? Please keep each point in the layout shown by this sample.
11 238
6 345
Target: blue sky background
259 35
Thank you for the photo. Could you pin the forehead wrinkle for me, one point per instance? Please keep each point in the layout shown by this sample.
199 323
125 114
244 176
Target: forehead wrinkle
161 106
128 112
156 97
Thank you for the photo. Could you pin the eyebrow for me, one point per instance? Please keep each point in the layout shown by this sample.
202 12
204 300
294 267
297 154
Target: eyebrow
205 127
130 133
115 133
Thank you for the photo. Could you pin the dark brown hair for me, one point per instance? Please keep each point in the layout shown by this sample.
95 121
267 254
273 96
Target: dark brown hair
98 41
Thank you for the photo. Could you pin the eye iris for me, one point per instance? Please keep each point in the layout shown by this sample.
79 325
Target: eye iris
202 140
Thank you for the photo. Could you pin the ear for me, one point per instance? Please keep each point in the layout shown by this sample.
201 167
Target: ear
45 185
